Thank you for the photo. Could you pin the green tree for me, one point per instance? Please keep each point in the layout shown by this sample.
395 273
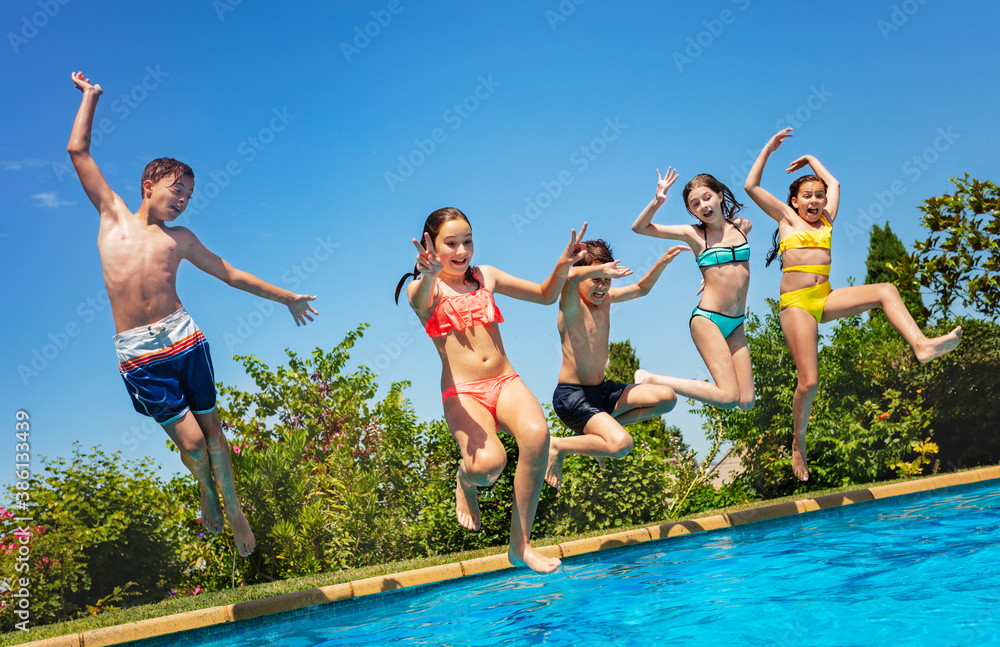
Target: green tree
885 251
960 259
964 393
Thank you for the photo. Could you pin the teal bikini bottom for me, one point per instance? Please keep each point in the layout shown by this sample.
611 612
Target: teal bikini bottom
725 323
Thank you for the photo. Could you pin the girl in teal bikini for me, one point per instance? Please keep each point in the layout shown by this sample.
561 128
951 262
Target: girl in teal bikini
723 254
805 226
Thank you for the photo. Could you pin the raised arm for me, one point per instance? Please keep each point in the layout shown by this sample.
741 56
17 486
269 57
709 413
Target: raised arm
642 287
570 302
429 265
767 202
644 223
610 270
832 185
93 181
200 256
548 290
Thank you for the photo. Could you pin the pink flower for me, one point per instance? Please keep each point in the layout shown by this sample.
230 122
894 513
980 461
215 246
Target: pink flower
197 590
236 448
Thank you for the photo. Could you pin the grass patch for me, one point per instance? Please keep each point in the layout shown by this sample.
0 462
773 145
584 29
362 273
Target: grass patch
271 589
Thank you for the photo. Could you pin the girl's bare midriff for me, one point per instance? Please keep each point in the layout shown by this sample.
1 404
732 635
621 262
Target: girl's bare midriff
726 288
471 355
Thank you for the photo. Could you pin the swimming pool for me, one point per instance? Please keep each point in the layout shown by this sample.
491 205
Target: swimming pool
921 569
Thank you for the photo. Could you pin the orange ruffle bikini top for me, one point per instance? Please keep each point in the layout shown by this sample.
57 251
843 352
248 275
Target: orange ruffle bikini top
463 311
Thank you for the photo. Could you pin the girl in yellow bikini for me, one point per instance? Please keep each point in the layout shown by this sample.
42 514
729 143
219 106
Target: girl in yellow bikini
803 239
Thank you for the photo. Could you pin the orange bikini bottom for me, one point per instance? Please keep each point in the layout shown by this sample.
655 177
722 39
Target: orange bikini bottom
485 392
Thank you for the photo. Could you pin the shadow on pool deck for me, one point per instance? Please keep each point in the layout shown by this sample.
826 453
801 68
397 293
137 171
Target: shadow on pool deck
357 588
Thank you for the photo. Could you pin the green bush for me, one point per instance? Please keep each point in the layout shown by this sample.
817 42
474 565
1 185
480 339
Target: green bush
98 522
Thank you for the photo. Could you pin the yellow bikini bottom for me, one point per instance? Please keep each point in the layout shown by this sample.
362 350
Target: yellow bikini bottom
811 299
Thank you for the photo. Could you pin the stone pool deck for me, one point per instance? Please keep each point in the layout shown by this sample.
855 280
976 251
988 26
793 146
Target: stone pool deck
265 606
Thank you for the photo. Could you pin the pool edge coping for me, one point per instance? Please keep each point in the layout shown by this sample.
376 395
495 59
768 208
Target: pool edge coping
188 620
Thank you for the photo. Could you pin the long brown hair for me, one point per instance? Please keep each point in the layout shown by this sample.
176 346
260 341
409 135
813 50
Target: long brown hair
433 226
730 207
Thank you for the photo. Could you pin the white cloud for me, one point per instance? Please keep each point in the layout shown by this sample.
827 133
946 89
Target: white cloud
50 200
22 164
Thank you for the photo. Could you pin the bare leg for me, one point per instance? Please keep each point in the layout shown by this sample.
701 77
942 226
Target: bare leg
744 368
846 302
716 353
519 412
483 455
800 331
190 440
603 437
222 469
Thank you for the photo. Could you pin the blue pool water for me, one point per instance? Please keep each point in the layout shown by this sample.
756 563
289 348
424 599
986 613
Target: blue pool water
916 570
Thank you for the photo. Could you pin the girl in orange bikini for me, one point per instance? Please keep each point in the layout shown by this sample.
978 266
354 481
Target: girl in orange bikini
481 392
803 238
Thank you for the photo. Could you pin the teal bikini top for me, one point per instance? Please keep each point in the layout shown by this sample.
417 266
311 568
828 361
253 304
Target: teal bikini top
722 255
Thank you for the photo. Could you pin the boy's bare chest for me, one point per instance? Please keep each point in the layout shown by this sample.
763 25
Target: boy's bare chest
595 323
138 251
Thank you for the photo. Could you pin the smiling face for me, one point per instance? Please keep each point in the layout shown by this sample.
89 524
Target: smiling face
453 245
704 204
594 291
810 200
168 197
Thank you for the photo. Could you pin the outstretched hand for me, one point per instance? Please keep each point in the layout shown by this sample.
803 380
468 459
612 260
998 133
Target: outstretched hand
612 271
301 309
428 262
664 183
575 250
777 139
672 253
84 85
799 163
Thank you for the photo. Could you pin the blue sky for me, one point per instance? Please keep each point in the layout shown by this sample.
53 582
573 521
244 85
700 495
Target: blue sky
322 134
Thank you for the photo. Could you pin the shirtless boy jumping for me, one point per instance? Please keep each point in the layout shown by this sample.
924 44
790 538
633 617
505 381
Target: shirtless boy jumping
162 354
584 400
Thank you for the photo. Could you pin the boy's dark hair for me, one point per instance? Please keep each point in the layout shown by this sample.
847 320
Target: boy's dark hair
161 168
598 253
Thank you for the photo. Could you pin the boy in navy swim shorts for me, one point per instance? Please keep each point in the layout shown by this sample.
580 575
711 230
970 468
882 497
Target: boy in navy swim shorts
584 400
163 356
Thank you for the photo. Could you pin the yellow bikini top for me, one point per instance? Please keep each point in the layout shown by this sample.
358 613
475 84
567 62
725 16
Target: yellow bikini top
808 238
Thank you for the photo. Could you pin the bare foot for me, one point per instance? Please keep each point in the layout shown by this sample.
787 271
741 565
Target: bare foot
641 376
533 560
211 511
932 348
245 540
553 471
799 465
466 503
